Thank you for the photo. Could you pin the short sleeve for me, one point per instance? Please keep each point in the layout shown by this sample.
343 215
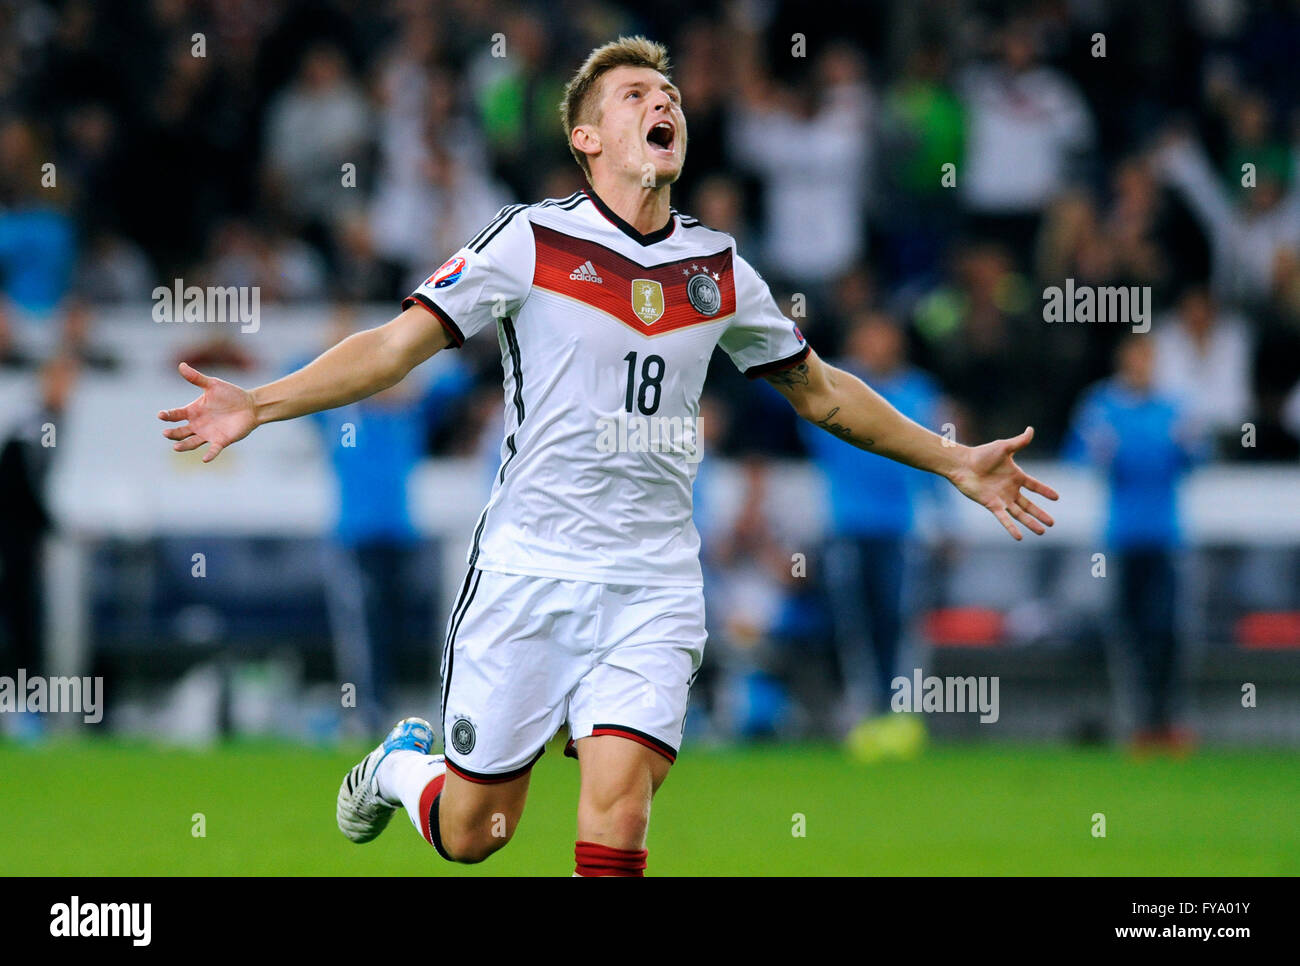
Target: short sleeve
484 281
760 338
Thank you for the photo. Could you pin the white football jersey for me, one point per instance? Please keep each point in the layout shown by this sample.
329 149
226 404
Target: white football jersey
606 335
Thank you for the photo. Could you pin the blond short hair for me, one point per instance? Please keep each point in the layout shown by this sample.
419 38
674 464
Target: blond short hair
578 106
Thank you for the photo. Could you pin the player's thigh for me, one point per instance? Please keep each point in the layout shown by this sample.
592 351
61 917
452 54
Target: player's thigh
638 686
627 714
511 658
609 765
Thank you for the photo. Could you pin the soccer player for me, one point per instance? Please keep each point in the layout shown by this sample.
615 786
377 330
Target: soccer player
582 603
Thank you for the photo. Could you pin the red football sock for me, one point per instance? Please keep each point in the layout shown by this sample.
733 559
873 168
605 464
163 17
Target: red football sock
595 859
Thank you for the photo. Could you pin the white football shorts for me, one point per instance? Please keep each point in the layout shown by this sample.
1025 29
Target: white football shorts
525 655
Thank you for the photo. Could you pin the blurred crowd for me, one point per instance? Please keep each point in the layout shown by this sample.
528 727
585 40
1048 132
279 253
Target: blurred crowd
911 176
944 162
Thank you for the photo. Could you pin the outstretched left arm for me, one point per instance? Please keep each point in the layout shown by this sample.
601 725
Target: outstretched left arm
844 405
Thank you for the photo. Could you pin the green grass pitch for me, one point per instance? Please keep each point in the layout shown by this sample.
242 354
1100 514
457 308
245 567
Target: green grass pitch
110 808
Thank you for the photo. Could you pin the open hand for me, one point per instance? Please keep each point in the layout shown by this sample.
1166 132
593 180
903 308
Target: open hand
992 479
224 414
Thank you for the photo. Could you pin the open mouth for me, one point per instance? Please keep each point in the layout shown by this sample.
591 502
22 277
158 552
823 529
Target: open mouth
661 136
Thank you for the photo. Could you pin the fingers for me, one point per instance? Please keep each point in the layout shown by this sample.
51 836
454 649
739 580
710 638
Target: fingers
175 415
178 432
1024 517
1039 487
1017 443
1032 508
1005 519
193 442
193 375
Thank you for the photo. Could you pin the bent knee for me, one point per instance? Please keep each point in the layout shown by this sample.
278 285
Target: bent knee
473 844
623 820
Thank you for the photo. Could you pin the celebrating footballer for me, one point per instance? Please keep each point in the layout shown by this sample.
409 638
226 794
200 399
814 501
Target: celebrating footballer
582 604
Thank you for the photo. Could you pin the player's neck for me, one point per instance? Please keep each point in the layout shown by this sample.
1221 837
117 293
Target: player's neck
645 209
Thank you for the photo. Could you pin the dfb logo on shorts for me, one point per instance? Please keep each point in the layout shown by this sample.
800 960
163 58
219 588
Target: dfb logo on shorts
462 736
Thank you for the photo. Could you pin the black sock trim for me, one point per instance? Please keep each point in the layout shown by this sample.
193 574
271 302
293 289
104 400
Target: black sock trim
435 832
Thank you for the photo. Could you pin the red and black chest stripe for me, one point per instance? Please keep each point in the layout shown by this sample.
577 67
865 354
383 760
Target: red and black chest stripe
650 300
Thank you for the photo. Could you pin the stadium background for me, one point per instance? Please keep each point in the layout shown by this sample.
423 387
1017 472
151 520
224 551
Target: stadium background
333 154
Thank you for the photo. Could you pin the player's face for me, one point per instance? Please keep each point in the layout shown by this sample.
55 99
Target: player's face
642 128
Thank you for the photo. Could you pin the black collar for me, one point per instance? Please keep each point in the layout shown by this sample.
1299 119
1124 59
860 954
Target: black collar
655 236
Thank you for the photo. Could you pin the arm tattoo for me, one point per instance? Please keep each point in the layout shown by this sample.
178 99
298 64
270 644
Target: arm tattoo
794 376
843 432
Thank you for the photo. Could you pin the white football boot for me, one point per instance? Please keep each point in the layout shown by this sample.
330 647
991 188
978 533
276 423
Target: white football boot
362 813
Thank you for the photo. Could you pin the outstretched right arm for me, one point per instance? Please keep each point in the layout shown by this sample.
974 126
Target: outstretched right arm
359 366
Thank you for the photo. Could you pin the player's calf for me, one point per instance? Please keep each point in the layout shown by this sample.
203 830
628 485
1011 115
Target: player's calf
477 819
418 781
619 779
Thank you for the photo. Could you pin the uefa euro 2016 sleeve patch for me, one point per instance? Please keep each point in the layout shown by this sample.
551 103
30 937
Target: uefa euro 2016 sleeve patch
448 273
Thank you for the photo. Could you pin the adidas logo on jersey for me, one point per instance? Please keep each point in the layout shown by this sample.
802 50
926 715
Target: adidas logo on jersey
586 272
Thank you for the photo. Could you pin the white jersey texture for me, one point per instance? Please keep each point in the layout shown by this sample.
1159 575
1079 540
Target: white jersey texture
603 331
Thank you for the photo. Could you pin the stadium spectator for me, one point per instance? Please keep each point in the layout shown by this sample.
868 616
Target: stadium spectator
1143 442
78 339
26 455
91 161
1250 124
186 149
1129 241
1203 360
278 265
410 85
1275 384
1249 233
37 236
13 355
1136 227
703 73
976 333
456 199
516 89
811 149
373 447
872 518
313 128
852 293
719 203
114 269
750 564
923 129
1027 126
433 159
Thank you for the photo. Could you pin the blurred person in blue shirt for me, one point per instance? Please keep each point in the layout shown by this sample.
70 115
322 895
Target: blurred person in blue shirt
1144 442
38 245
374 446
37 252
872 511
